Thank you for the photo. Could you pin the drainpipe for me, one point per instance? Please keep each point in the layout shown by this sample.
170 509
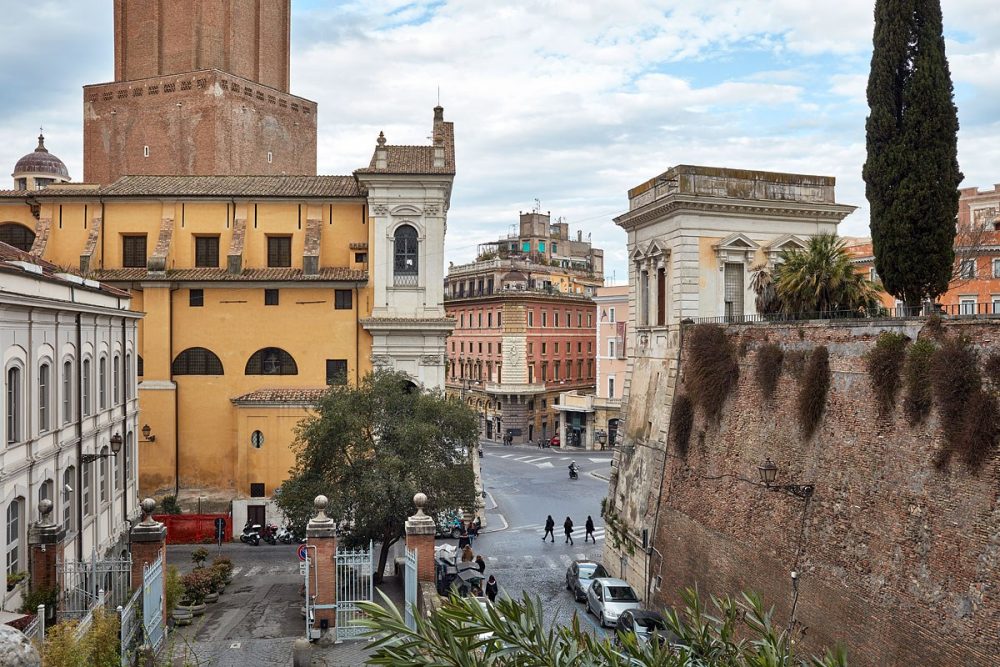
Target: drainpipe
79 435
124 382
357 338
177 391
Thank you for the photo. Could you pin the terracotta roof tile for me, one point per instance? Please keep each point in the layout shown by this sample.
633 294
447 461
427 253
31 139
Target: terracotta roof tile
301 395
333 273
53 272
326 187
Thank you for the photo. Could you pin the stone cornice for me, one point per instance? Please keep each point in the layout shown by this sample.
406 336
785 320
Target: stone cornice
677 204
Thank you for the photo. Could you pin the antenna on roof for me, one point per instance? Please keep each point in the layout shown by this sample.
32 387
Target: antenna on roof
439 95
538 206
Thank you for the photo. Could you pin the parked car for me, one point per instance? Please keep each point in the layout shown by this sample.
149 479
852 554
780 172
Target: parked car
607 598
579 575
554 442
646 625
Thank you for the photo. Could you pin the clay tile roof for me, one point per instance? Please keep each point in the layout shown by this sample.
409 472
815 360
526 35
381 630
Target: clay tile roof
52 272
330 273
300 395
234 186
409 160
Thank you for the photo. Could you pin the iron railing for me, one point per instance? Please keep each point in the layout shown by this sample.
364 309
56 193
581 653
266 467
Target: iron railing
355 573
958 310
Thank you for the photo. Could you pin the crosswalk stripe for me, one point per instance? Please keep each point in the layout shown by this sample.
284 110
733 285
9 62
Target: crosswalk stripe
540 458
593 460
237 570
491 559
581 556
505 456
253 571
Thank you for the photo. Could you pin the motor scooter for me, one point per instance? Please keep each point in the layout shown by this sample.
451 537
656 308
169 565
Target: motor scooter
285 536
573 473
270 533
251 534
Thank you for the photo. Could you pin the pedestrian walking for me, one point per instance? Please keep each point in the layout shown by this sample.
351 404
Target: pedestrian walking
472 531
549 529
590 530
491 588
568 527
463 539
480 563
467 555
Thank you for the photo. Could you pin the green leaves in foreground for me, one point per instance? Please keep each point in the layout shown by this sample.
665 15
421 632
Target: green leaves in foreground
736 632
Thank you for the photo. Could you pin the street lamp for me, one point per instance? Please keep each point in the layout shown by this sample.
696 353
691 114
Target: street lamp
146 434
116 446
769 472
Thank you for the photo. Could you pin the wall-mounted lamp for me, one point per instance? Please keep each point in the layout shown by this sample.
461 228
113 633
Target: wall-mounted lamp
147 434
116 446
769 472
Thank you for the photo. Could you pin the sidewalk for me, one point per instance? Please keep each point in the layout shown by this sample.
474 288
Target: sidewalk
354 653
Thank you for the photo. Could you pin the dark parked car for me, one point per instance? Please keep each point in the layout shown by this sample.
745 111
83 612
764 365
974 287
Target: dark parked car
646 625
579 574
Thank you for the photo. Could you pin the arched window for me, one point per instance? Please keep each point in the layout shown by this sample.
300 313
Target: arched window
14 511
405 261
196 361
14 401
17 235
271 361
102 384
68 510
85 398
44 389
67 392
128 376
116 380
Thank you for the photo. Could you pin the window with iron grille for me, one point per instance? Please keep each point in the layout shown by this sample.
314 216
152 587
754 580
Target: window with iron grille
734 289
271 361
270 297
343 299
196 298
405 260
206 251
361 257
196 361
279 251
134 251
336 371
257 489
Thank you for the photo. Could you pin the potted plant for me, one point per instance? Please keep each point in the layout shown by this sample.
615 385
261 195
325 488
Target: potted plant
223 567
174 595
199 556
197 586
14 578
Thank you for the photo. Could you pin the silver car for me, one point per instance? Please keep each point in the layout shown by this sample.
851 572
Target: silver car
608 598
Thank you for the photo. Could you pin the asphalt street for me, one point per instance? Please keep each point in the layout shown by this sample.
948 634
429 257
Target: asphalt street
528 484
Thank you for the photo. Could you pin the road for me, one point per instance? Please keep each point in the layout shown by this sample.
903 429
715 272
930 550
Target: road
527 484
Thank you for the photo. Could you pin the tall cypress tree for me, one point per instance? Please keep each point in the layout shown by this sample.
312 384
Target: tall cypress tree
911 174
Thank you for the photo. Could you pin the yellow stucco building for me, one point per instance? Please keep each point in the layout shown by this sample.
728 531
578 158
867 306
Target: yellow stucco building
258 292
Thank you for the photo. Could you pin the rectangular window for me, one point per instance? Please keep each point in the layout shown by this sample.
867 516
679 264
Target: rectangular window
336 371
734 289
88 476
270 297
526 246
555 347
661 297
579 370
544 345
489 348
579 347
541 246
279 251
545 318
361 258
611 347
343 299
531 318
996 268
545 371
499 348
206 251
531 348
102 384
611 386
555 370
590 346
531 374
116 380
134 251
579 320
489 320
462 321
43 397
967 269
996 304
85 398
967 305
67 389
644 297
611 315
462 346
196 298
480 348
499 319
14 537
590 368
13 405
555 319
590 320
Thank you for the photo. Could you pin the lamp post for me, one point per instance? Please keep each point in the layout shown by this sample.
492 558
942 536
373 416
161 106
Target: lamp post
147 434
769 472
116 446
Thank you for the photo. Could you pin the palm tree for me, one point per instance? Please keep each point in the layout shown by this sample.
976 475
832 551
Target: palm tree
821 279
763 286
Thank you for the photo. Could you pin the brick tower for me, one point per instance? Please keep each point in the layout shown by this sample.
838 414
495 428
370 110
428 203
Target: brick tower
201 88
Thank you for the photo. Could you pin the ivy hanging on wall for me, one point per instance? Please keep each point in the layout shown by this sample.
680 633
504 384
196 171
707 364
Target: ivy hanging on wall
713 369
813 390
682 422
767 368
885 363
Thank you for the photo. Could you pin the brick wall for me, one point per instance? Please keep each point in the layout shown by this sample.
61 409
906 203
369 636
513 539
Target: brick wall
199 123
899 559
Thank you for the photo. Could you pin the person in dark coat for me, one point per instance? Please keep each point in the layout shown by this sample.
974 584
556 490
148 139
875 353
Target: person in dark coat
491 588
463 539
590 530
549 529
480 563
568 527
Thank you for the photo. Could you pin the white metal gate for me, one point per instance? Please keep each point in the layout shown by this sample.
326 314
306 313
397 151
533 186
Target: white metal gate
130 628
355 572
82 581
410 588
152 603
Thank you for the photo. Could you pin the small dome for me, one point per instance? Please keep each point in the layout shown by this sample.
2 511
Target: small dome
41 161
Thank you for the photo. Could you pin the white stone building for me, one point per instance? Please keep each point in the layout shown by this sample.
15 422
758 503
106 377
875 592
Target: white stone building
694 234
68 349
409 192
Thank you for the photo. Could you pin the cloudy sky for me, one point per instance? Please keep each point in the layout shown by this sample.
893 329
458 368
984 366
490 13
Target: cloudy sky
571 103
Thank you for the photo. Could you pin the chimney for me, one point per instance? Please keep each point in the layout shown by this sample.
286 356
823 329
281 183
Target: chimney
381 153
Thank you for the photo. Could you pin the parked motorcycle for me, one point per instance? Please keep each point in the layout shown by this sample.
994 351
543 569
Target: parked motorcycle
270 533
251 534
285 536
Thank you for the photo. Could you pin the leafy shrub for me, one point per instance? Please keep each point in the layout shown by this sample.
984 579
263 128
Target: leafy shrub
885 361
795 362
970 415
919 388
767 369
812 393
174 588
713 368
199 556
197 584
225 566
169 505
98 648
681 422
46 596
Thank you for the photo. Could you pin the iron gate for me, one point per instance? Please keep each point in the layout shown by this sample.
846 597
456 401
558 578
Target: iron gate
82 581
130 628
152 603
410 588
355 571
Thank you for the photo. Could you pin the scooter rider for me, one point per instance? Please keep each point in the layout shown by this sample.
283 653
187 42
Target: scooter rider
573 469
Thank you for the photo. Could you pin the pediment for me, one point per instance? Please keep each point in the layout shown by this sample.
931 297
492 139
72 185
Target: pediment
405 210
737 241
786 242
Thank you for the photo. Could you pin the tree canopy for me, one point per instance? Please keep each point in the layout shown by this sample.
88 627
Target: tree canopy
370 448
732 632
911 173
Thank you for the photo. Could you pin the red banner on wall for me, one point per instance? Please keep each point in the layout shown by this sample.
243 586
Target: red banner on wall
193 528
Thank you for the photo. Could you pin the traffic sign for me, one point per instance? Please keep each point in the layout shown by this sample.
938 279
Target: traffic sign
302 551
